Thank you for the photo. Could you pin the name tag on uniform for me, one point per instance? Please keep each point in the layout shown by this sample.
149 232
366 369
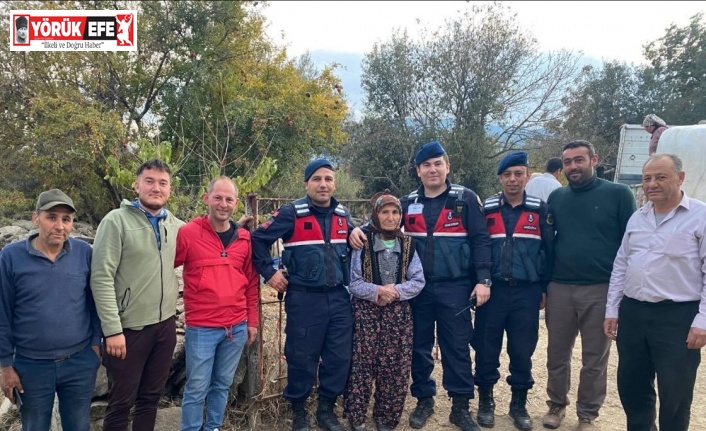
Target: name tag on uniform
415 209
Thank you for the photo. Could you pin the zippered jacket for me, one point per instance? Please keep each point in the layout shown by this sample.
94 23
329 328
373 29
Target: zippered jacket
132 272
221 287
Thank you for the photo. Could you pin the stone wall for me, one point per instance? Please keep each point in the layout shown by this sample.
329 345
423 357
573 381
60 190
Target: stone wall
170 412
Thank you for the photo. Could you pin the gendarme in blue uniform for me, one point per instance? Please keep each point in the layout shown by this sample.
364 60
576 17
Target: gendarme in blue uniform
452 241
520 238
317 303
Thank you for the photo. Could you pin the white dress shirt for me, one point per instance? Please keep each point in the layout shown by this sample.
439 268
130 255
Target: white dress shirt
542 186
662 262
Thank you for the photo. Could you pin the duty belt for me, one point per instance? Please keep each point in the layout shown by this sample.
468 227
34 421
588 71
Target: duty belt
313 289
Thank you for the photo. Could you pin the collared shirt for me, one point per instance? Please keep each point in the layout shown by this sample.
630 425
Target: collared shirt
662 262
542 186
388 259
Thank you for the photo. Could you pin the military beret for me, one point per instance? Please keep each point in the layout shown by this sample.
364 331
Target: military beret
314 166
517 158
428 151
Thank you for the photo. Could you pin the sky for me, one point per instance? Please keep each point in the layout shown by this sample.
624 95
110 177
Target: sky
343 31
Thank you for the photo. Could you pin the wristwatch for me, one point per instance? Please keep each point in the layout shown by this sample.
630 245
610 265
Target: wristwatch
488 282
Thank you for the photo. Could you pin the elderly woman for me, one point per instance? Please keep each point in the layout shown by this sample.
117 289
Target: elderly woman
655 126
385 274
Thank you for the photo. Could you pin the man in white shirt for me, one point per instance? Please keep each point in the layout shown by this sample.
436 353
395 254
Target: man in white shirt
656 307
542 185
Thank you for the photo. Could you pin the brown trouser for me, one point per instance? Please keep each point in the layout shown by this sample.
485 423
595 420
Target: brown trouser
572 309
139 379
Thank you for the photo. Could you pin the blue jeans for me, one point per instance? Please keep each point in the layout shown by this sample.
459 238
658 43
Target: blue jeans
72 380
212 355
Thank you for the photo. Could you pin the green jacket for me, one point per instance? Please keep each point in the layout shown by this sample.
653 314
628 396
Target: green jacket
133 281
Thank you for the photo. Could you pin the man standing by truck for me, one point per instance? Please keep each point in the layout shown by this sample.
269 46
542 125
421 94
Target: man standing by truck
656 303
589 215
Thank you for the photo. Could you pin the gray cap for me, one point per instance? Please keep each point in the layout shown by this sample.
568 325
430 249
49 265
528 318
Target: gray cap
52 198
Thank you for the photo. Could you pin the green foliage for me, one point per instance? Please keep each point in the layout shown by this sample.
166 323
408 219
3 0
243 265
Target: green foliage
206 88
601 101
478 84
121 172
679 58
250 184
13 202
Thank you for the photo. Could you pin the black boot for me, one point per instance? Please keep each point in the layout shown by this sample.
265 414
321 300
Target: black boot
518 410
460 416
424 409
300 418
325 417
486 407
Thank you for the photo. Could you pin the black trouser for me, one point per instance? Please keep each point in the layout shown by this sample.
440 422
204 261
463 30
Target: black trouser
446 304
652 340
140 378
515 310
319 337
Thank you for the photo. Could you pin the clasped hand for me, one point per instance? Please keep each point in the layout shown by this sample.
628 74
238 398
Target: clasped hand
387 294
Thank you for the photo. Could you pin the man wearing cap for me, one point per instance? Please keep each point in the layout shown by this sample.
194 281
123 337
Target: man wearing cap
136 290
590 215
448 226
522 237
21 26
50 334
319 329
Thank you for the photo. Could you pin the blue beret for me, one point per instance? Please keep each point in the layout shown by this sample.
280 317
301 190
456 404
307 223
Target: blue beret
428 151
518 158
314 166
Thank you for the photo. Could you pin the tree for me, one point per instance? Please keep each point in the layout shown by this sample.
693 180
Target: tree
599 103
679 58
206 81
478 83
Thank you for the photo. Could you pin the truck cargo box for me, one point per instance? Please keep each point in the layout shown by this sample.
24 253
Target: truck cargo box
689 143
633 152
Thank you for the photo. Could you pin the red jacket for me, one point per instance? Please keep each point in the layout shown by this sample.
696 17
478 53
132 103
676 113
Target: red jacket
221 287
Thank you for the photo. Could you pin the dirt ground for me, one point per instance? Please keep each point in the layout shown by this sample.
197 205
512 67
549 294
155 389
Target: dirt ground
611 417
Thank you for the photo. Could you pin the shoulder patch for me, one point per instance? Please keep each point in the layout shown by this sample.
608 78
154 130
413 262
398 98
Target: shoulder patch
550 219
264 225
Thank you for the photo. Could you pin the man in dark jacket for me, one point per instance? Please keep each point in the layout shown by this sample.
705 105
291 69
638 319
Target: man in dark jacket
447 223
50 334
319 329
522 236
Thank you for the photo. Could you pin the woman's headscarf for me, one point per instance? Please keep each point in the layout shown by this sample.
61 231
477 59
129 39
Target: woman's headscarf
653 120
379 200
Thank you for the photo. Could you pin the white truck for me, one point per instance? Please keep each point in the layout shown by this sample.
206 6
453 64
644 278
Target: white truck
633 152
687 142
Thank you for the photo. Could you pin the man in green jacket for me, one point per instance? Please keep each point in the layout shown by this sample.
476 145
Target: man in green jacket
589 217
135 290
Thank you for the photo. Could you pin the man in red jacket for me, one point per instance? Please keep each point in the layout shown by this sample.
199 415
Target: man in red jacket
221 304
